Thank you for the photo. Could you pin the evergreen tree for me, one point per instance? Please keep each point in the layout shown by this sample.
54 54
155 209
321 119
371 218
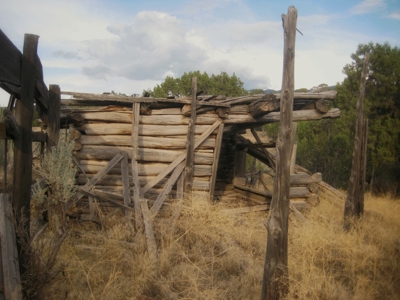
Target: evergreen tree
221 84
327 146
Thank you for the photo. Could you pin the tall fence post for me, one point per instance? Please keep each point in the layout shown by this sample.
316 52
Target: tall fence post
53 116
354 205
23 143
275 280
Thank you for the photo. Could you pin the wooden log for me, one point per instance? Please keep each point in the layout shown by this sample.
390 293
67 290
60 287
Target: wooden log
305 179
239 110
199 183
217 153
89 152
298 115
144 130
76 119
23 143
206 119
264 106
149 169
77 146
75 135
354 206
9 255
143 141
53 117
322 106
275 277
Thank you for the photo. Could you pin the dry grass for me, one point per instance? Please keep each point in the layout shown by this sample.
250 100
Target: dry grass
212 255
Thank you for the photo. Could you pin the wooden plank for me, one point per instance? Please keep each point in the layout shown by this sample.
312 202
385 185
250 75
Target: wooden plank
10 61
265 151
135 128
125 182
217 152
188 183
180 158
148 227
23 144
53 117
167 189
275 277
137 191
9 254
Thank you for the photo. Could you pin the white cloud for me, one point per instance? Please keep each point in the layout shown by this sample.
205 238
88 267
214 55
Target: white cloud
395 15
368 6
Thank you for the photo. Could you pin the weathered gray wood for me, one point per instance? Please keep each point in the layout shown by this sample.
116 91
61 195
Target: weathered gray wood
265 151
75 119
275 279
354 206
298 115
125 182
89 152
53 117
264 106
294 150
92 182
147 169
144 130
148 227
167 189
141 141
135 128
217 152
322 106
10 61
103 197
23 144
188 183
180 158
137 191
9 254
199 183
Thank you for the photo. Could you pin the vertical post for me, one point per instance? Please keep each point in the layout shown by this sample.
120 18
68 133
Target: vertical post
217 152
53 117
135 174
23 144
275 282
294 151
354 205
190 140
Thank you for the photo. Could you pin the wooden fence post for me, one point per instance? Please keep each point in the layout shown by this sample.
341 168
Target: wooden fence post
275 281
23 144
190 140
53 117
354 205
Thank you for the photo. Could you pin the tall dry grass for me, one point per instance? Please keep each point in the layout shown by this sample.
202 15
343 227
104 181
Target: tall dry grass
213 255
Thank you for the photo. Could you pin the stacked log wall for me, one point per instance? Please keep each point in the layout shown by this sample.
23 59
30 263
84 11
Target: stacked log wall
162 138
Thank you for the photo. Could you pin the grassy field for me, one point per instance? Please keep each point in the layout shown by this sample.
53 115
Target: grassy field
212 255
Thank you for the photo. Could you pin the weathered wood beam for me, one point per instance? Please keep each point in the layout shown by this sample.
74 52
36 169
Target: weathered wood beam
275 279
23 144
354 206
217 152
53 117
10 61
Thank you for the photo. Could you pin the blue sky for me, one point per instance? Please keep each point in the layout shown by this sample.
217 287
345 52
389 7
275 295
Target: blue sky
128 46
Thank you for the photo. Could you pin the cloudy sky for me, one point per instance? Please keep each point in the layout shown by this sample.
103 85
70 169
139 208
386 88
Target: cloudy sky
131 45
